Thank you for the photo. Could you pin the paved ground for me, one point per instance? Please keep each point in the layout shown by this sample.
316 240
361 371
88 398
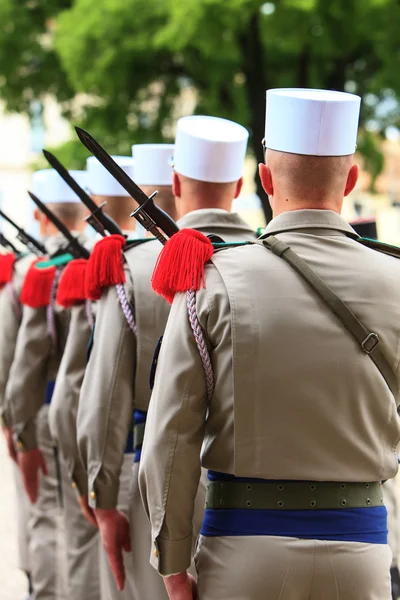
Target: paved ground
12 581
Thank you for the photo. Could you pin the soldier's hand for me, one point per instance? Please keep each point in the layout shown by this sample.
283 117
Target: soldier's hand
181 587
88 512
30 463
115 535
8 434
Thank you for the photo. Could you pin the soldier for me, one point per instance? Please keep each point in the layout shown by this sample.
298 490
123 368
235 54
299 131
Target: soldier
39 346
82 533
99 438
122 351
10 319
300 425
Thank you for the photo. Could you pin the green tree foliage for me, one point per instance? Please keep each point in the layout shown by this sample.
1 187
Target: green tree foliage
130 62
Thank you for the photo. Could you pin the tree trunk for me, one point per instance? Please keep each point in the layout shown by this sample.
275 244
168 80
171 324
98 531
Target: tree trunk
254 70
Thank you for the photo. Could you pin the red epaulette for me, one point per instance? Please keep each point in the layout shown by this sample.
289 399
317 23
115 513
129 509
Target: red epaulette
180 265
7 262
105 266
71 288
37 286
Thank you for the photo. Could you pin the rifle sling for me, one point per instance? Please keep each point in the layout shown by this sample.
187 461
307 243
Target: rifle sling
368 341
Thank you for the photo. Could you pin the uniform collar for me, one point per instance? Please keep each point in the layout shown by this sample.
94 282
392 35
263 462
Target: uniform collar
211 218
309 219
53 243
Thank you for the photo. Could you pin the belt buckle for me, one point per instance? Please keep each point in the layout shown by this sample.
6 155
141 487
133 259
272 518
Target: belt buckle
370 343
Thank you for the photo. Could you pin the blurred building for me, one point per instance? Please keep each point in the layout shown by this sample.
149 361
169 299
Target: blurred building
21 140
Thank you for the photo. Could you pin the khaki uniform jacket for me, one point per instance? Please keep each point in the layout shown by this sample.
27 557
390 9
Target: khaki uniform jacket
64 404
10 319
295 397
35 364
117 377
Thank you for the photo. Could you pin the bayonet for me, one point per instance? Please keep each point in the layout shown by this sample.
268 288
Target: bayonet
73 246
151 216
25 238
100 221
7 244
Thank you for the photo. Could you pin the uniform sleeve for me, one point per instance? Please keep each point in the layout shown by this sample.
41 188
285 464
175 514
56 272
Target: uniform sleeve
105 413
10 319
26 387
170 463
64 404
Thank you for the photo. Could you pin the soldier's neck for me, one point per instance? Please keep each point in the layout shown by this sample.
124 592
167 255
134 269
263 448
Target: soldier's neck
281 204
191 203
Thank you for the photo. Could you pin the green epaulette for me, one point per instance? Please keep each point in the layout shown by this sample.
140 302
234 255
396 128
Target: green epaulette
57 261
380 246
226 245
260 231
22 255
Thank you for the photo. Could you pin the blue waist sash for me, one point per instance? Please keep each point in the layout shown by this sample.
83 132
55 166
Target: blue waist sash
367 525
129 444
49 391
139 416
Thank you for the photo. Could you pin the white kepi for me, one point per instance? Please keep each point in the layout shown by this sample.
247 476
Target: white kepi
101 182
152 164
312 122
210 149
50 188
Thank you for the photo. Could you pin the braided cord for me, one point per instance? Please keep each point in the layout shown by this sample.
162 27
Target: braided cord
89 313
200 341
126 309
15 300
50 312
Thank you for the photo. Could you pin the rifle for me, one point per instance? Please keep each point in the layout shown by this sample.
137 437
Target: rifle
100 221
7 244
25 238
149 215
73 246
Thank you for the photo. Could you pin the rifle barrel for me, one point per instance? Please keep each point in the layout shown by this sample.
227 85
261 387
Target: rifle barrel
108 223
160 217
74 243
25 238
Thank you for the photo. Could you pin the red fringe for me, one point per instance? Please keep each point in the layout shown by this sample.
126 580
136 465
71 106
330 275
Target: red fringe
36 289
180 266
105 266
71 288
6 268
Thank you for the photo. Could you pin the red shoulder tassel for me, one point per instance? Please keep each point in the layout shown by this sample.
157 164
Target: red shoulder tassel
71 288
36 289
105 266
6 268
180 266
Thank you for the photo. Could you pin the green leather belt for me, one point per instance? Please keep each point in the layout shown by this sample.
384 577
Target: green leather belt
292 495
138 435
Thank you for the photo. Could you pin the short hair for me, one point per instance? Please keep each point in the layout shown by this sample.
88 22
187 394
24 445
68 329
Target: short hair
308 174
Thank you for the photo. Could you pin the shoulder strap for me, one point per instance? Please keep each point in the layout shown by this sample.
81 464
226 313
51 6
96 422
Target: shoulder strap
388 249
368 341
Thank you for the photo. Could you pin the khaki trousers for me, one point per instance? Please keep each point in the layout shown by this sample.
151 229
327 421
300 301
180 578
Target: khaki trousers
279 568
46 525
23 514
147 582
391 499
82 546
107 578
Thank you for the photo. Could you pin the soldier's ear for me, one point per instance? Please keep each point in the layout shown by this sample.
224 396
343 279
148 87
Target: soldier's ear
36 214
352 179
266 178
176 185
239 186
